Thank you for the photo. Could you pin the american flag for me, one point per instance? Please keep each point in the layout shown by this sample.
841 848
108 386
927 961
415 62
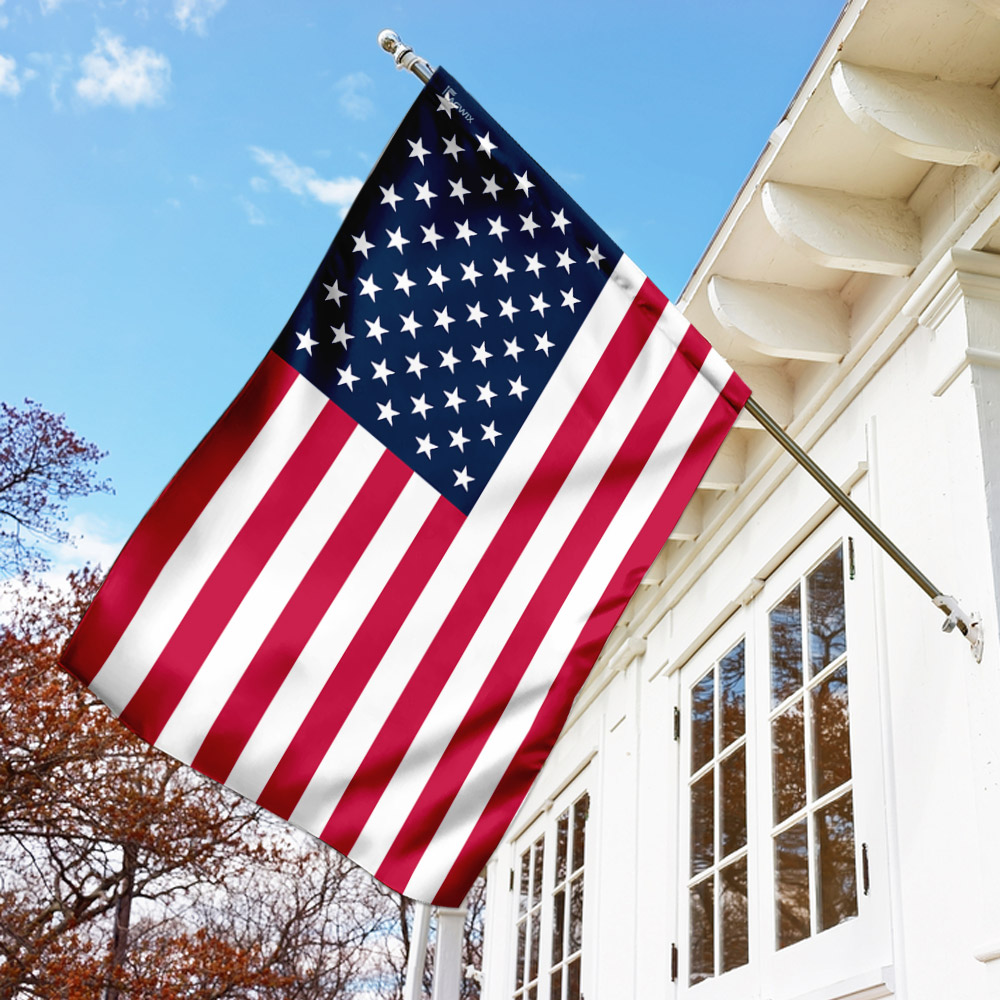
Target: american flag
369 597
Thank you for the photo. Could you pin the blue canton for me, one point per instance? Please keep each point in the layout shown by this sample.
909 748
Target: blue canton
450 294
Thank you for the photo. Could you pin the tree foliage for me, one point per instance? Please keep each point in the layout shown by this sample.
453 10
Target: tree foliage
43 464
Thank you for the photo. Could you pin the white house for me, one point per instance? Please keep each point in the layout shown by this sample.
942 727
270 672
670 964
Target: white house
781 780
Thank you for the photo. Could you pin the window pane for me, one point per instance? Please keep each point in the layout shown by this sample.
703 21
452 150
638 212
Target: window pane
733 807
521 932
581 809
576 915
831 733
533 993
835 846
791 873
558 923
522 906
702 932
703 823
562 837
732 695
825 590
702 722
536 879
573 984
786 648
788 755
533 948
555 990
733 924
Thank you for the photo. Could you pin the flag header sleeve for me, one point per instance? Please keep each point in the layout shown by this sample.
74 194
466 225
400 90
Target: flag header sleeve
370 596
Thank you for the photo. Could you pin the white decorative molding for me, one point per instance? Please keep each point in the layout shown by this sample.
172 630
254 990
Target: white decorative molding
690 523
845 231
781 321
772 389
922 117
728 468
987 953
631 648
972 356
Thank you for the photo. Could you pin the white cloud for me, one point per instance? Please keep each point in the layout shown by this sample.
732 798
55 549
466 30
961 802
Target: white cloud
259 184
353 100
254 215
48 6
56 68
10 85
339 191
196 13
114 73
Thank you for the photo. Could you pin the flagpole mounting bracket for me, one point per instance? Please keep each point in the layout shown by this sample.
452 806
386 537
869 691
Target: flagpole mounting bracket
404 56
968 624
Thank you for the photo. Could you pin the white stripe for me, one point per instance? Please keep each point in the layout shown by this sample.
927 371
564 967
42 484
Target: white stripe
194 559
312 669
519 715
354 739
527 574
266 599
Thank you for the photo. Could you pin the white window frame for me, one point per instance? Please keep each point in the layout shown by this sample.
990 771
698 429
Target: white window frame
863 943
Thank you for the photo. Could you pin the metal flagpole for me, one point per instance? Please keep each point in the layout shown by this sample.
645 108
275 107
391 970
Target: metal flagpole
968 625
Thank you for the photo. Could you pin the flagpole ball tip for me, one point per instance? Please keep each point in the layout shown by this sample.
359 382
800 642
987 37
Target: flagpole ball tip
389 40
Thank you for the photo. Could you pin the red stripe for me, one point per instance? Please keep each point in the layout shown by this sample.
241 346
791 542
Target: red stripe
435 667
300 617
362 656
548 723
515 657
171 675
171 516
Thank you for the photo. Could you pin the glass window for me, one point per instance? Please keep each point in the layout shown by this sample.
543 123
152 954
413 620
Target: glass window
529 921
567 901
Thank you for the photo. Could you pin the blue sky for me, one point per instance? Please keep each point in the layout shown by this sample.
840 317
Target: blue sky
171 173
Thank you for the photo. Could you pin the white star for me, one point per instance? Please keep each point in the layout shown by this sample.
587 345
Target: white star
476 315
462 478
459 440
347 377
443 319
544 343
437 277
458 190
538 304
529 224
448 360
485 145
431 236
570 300
480 354
517 388
376 329
424 192
502 269
421 405
397 239
490 432
595 256
447 105
386 412
523 184
454 399
390 197
333 292
497 228
491 186
340 335
565 261
306 342
426 446
559 221
513 349
507 308
470 273
486 395
451 147
368 286
382 371
534 265
416 366
417 149
403 283
465 232
410 325
361 245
